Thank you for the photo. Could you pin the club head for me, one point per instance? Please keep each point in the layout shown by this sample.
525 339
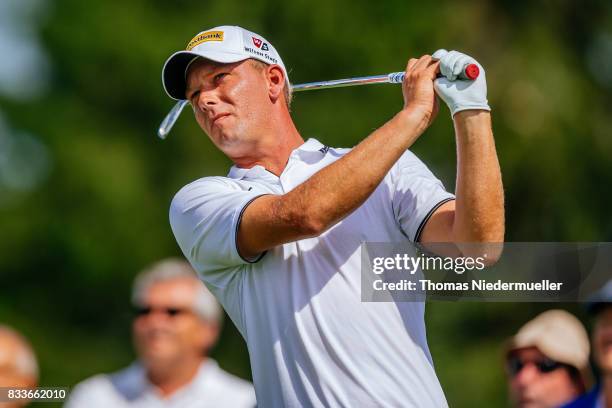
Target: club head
171 118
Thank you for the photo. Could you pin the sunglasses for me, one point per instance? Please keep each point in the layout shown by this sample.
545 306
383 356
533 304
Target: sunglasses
168 311
546 365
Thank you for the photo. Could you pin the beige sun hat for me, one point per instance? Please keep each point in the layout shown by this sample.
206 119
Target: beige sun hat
560 336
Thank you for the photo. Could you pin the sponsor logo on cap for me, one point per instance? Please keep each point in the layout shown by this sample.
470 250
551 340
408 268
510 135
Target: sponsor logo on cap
266 56
260 44
204 37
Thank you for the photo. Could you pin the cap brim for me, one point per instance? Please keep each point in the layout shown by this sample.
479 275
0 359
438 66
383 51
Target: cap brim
173 73
545 346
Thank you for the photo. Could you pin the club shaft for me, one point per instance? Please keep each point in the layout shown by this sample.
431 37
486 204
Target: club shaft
392 78
395 77
469 71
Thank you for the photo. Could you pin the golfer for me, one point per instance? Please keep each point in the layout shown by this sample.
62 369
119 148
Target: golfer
278 240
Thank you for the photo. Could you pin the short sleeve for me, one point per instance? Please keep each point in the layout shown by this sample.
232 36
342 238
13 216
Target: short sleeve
204 217
416 194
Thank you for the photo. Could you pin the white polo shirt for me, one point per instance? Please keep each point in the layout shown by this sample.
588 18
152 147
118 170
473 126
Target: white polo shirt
130 388
311 340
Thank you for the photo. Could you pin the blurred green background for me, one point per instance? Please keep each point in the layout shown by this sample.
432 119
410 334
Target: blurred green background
85 184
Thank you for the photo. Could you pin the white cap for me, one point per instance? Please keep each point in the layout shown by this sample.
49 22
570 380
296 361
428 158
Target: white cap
224 44
559 336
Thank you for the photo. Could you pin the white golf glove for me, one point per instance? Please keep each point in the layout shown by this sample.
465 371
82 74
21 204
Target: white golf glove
460 94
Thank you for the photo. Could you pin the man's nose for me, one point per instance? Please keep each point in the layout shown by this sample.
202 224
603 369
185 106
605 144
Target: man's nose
527 374
207 99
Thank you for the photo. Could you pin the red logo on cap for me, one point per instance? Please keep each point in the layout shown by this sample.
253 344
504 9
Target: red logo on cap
257 42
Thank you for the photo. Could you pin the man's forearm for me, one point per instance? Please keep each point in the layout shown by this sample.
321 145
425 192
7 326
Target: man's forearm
479 211
338 189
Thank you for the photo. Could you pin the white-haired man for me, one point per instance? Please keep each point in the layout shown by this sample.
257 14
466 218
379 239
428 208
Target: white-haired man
278 241
177 322
18 367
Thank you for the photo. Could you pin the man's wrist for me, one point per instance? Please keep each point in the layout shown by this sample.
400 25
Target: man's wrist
472 125
474 108
472 116
414 118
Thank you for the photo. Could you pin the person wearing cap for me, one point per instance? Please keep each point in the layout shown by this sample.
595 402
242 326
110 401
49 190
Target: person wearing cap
547 361
278 240
177 322
18 366
600 307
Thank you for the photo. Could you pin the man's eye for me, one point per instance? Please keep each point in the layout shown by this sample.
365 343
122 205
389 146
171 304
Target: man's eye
218 77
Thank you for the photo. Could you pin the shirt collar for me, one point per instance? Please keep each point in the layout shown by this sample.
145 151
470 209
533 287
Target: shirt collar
256 171
312 145
208 369
307 149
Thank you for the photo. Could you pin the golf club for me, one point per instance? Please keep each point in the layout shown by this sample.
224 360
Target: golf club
470 72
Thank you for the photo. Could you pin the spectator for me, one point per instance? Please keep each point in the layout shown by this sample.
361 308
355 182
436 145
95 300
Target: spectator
600 307
547 361
18 366
176 324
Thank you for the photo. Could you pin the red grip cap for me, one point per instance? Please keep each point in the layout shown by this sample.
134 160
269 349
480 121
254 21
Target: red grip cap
472 71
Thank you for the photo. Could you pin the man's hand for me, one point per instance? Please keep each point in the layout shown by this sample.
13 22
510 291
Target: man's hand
418 88
459 94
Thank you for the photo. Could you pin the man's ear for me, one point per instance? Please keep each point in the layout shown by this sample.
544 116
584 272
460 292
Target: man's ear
276 81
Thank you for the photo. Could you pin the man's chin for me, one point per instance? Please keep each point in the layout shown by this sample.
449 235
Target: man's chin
223 141
158 361
158 354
